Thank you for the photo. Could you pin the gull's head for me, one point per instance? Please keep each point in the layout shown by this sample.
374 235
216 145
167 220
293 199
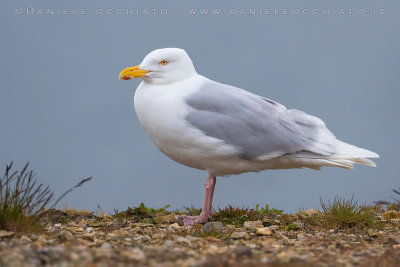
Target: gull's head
161 66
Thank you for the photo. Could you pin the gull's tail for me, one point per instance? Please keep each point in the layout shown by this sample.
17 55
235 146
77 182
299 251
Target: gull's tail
346 155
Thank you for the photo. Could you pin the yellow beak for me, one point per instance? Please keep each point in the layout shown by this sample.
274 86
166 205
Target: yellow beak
132 72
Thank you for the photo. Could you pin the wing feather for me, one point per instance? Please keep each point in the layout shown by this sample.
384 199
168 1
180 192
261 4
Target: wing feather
261 128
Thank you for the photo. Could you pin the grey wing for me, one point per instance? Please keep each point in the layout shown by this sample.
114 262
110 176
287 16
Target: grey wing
261 128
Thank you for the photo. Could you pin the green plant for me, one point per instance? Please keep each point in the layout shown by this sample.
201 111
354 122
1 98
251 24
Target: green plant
267 210
191 211
146 212
23 201
391 214
120 215
140 212
290 227
235 216
61 219
347 214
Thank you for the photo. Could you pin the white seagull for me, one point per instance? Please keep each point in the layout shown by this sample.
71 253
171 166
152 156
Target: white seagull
226 130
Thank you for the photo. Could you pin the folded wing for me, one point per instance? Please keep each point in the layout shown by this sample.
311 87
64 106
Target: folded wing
262 129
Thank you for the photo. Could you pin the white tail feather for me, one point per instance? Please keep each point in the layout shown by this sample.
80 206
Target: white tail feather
345 156
345 150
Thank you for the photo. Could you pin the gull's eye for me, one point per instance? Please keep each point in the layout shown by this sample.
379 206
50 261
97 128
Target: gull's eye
163 62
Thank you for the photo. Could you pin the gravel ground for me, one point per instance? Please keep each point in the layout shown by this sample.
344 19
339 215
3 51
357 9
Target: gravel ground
73 238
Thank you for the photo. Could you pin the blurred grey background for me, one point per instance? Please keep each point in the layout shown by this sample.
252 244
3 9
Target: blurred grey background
63 108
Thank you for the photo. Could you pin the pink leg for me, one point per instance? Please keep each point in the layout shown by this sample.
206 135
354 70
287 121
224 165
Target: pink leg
214 181
208 197
207 205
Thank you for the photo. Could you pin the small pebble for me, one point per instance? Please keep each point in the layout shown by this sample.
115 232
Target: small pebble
264 231
252 225
239 235
213 226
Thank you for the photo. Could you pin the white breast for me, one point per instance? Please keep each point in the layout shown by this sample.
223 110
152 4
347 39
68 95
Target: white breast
161 110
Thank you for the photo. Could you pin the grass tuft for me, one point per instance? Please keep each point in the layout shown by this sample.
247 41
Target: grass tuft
391 214
140 213
267 210
191 211
347 214
235 216
23 201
